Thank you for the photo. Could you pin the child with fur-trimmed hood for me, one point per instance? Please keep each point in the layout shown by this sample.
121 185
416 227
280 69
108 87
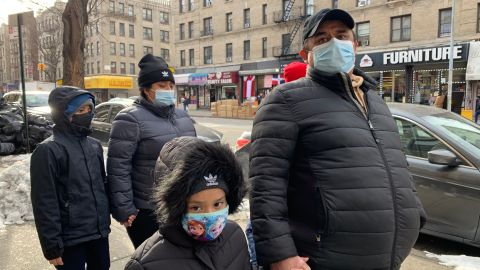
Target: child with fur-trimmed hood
197 185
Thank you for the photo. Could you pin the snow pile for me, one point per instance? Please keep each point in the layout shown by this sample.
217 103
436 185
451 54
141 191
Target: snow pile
460 262
15 204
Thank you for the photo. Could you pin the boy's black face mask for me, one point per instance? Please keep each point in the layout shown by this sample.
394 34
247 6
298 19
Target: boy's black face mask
81 123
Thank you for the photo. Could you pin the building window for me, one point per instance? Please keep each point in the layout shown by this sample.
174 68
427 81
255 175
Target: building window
207 55
130 10
264 47
112 28
207 3
182 58
228 52
164 17
229 22
246 18
88 68
113 67
131 30
113 48
191 57
147 50
246 49
164 36
478 18
309 7
122 49
98 47
147 14
147 33
121 29
400 28
131 50
190 29
132 68
182 31
207 27
362 3
334 3
111 6
286 43
264 14
445 22
191 5
181 6
121 8
165 53
363 33
123 68
98 67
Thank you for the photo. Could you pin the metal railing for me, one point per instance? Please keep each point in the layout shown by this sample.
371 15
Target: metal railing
294 14
206 32
293 49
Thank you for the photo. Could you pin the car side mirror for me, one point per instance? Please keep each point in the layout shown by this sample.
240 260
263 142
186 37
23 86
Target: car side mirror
443 157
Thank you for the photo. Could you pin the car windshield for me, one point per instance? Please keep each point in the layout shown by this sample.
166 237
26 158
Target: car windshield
461 130
37 100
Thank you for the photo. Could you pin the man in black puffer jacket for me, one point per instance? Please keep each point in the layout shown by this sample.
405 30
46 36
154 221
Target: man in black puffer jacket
137 136
330 180
69 196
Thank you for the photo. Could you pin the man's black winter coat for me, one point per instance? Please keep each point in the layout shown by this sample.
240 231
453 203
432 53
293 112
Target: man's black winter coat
330 182
137 136
68 181
174 249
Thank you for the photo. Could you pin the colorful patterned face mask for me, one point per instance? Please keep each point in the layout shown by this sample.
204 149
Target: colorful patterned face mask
205 226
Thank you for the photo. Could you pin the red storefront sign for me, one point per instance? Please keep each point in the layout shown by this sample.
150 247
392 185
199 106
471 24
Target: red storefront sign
228 77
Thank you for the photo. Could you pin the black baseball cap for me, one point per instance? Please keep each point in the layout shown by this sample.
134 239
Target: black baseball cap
311 23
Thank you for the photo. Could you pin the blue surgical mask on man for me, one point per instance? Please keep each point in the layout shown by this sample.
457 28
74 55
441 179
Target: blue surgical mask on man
334 56
165 96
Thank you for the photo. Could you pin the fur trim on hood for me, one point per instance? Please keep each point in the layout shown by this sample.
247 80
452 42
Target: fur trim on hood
181 163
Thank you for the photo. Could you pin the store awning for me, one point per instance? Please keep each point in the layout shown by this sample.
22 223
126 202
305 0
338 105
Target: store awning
181 79
259 71
108 82
473 65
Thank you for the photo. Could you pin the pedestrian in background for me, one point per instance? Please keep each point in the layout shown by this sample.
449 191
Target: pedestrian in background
137 136
330 183
477 109
198 185
68 186
186 102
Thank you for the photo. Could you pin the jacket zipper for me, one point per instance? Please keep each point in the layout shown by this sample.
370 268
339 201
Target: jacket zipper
387 167
92 187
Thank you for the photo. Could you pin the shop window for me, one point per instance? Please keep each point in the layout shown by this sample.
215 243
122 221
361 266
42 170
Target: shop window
229 52
400 28
191 57
190 29
246 18
182 31
363 33
229 22
207 55
246 50
445 22
147 14
182 58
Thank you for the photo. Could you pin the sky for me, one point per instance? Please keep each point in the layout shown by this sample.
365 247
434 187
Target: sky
18 6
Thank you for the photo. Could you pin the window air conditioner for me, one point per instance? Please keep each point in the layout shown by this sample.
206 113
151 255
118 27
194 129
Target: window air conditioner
209 61
229 59
247 25
365 42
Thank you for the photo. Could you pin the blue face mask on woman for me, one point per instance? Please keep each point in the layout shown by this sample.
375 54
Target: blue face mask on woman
165 96
334 56
205 226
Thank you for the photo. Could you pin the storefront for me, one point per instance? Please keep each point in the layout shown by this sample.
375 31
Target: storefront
473 77
418 75
197 94
107 87
181 87
223 85
259 78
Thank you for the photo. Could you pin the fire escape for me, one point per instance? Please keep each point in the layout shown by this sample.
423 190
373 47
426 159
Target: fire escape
293 17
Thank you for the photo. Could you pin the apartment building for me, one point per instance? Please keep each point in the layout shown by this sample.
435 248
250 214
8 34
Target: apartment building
119 34
404 44
10 53
233 49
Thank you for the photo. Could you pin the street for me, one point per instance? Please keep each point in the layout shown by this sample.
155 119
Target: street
20 248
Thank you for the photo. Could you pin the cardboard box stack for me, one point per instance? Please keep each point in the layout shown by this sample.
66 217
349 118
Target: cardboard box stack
230 109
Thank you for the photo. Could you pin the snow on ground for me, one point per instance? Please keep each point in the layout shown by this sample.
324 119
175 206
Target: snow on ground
460 262
15 205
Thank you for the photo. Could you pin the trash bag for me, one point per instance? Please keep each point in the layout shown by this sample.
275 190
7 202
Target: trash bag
7 148
12 127
7 138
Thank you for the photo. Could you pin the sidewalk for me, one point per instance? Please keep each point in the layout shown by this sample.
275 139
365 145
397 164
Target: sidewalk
200 113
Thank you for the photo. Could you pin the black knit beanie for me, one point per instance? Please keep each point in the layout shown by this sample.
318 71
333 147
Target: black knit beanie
153 69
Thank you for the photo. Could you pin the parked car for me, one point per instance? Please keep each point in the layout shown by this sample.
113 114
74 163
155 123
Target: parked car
37 101
105 113
443 153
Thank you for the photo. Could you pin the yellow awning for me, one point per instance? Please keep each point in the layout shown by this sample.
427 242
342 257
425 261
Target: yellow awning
111 82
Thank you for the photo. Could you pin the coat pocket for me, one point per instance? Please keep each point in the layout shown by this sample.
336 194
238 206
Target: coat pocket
322 214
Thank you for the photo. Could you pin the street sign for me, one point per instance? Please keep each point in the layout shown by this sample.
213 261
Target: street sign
13 32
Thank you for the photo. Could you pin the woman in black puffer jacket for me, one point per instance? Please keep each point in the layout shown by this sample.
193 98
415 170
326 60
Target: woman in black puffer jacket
137 136
199 184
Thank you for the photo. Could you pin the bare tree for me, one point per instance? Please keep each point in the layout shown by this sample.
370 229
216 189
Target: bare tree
49 42
75 20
